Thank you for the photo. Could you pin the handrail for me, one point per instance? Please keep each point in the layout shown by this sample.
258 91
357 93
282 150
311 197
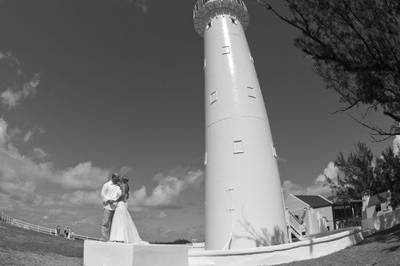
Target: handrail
295 225
82 237
4 218
22 224
296 234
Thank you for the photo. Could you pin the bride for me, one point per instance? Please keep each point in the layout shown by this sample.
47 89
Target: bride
122 228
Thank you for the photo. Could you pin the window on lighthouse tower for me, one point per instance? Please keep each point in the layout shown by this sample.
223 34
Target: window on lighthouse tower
226 49
238 146
251 92
213 97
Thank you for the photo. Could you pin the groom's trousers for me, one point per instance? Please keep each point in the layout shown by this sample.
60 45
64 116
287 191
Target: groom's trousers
106 224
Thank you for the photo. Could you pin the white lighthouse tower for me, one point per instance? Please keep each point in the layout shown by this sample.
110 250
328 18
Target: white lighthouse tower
243 201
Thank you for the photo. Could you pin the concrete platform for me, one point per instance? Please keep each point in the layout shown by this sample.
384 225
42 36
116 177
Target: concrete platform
303 250
97 253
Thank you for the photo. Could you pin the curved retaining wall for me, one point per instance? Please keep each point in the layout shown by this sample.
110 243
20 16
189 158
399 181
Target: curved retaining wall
302 250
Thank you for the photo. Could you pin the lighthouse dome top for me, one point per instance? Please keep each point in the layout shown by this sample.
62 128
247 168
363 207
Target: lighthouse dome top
204 10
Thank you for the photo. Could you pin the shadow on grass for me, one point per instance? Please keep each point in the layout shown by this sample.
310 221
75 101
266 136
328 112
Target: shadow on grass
390 236
392 249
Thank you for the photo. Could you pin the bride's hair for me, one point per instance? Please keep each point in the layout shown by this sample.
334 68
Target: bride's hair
125 186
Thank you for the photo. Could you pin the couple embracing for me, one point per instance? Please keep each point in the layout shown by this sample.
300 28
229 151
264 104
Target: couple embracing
117 224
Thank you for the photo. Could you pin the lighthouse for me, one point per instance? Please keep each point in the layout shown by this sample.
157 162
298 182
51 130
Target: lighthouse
243 199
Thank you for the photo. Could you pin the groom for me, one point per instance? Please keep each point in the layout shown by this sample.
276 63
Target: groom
109 194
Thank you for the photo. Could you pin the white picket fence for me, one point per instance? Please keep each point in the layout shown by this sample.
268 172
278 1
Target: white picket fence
4 218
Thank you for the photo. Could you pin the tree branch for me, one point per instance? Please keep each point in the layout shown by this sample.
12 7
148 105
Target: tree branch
378 132
393 116
346 108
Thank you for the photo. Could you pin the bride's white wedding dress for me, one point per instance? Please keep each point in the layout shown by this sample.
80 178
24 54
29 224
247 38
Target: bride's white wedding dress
122 228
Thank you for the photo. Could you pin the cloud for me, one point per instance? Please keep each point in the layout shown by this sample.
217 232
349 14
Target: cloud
331 172
14 132
83 175
16 187
14 83
31 189
28 136
3 131
33 132
81 197
319 185
125 170
141 5
5 138
12 98
20 175
168 190
39 153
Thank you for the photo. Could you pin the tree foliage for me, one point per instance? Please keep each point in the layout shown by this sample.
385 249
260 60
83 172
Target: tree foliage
388 170
360 172
355 46
357 174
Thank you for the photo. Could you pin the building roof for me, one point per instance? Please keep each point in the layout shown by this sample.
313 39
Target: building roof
340 202
314 201
378 198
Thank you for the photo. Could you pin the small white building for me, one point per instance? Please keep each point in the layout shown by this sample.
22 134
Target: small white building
377 213
376 205
313 212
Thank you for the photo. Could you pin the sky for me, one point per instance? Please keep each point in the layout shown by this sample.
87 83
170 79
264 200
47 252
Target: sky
117 85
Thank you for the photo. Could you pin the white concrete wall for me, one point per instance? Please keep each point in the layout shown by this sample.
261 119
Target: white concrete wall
369 212
313 222
383 221
328 213
299 208
293 204
312 218
243 201
98 253
286 253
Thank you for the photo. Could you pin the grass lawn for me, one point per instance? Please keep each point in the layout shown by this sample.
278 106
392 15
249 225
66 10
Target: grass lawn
382 248
23 247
